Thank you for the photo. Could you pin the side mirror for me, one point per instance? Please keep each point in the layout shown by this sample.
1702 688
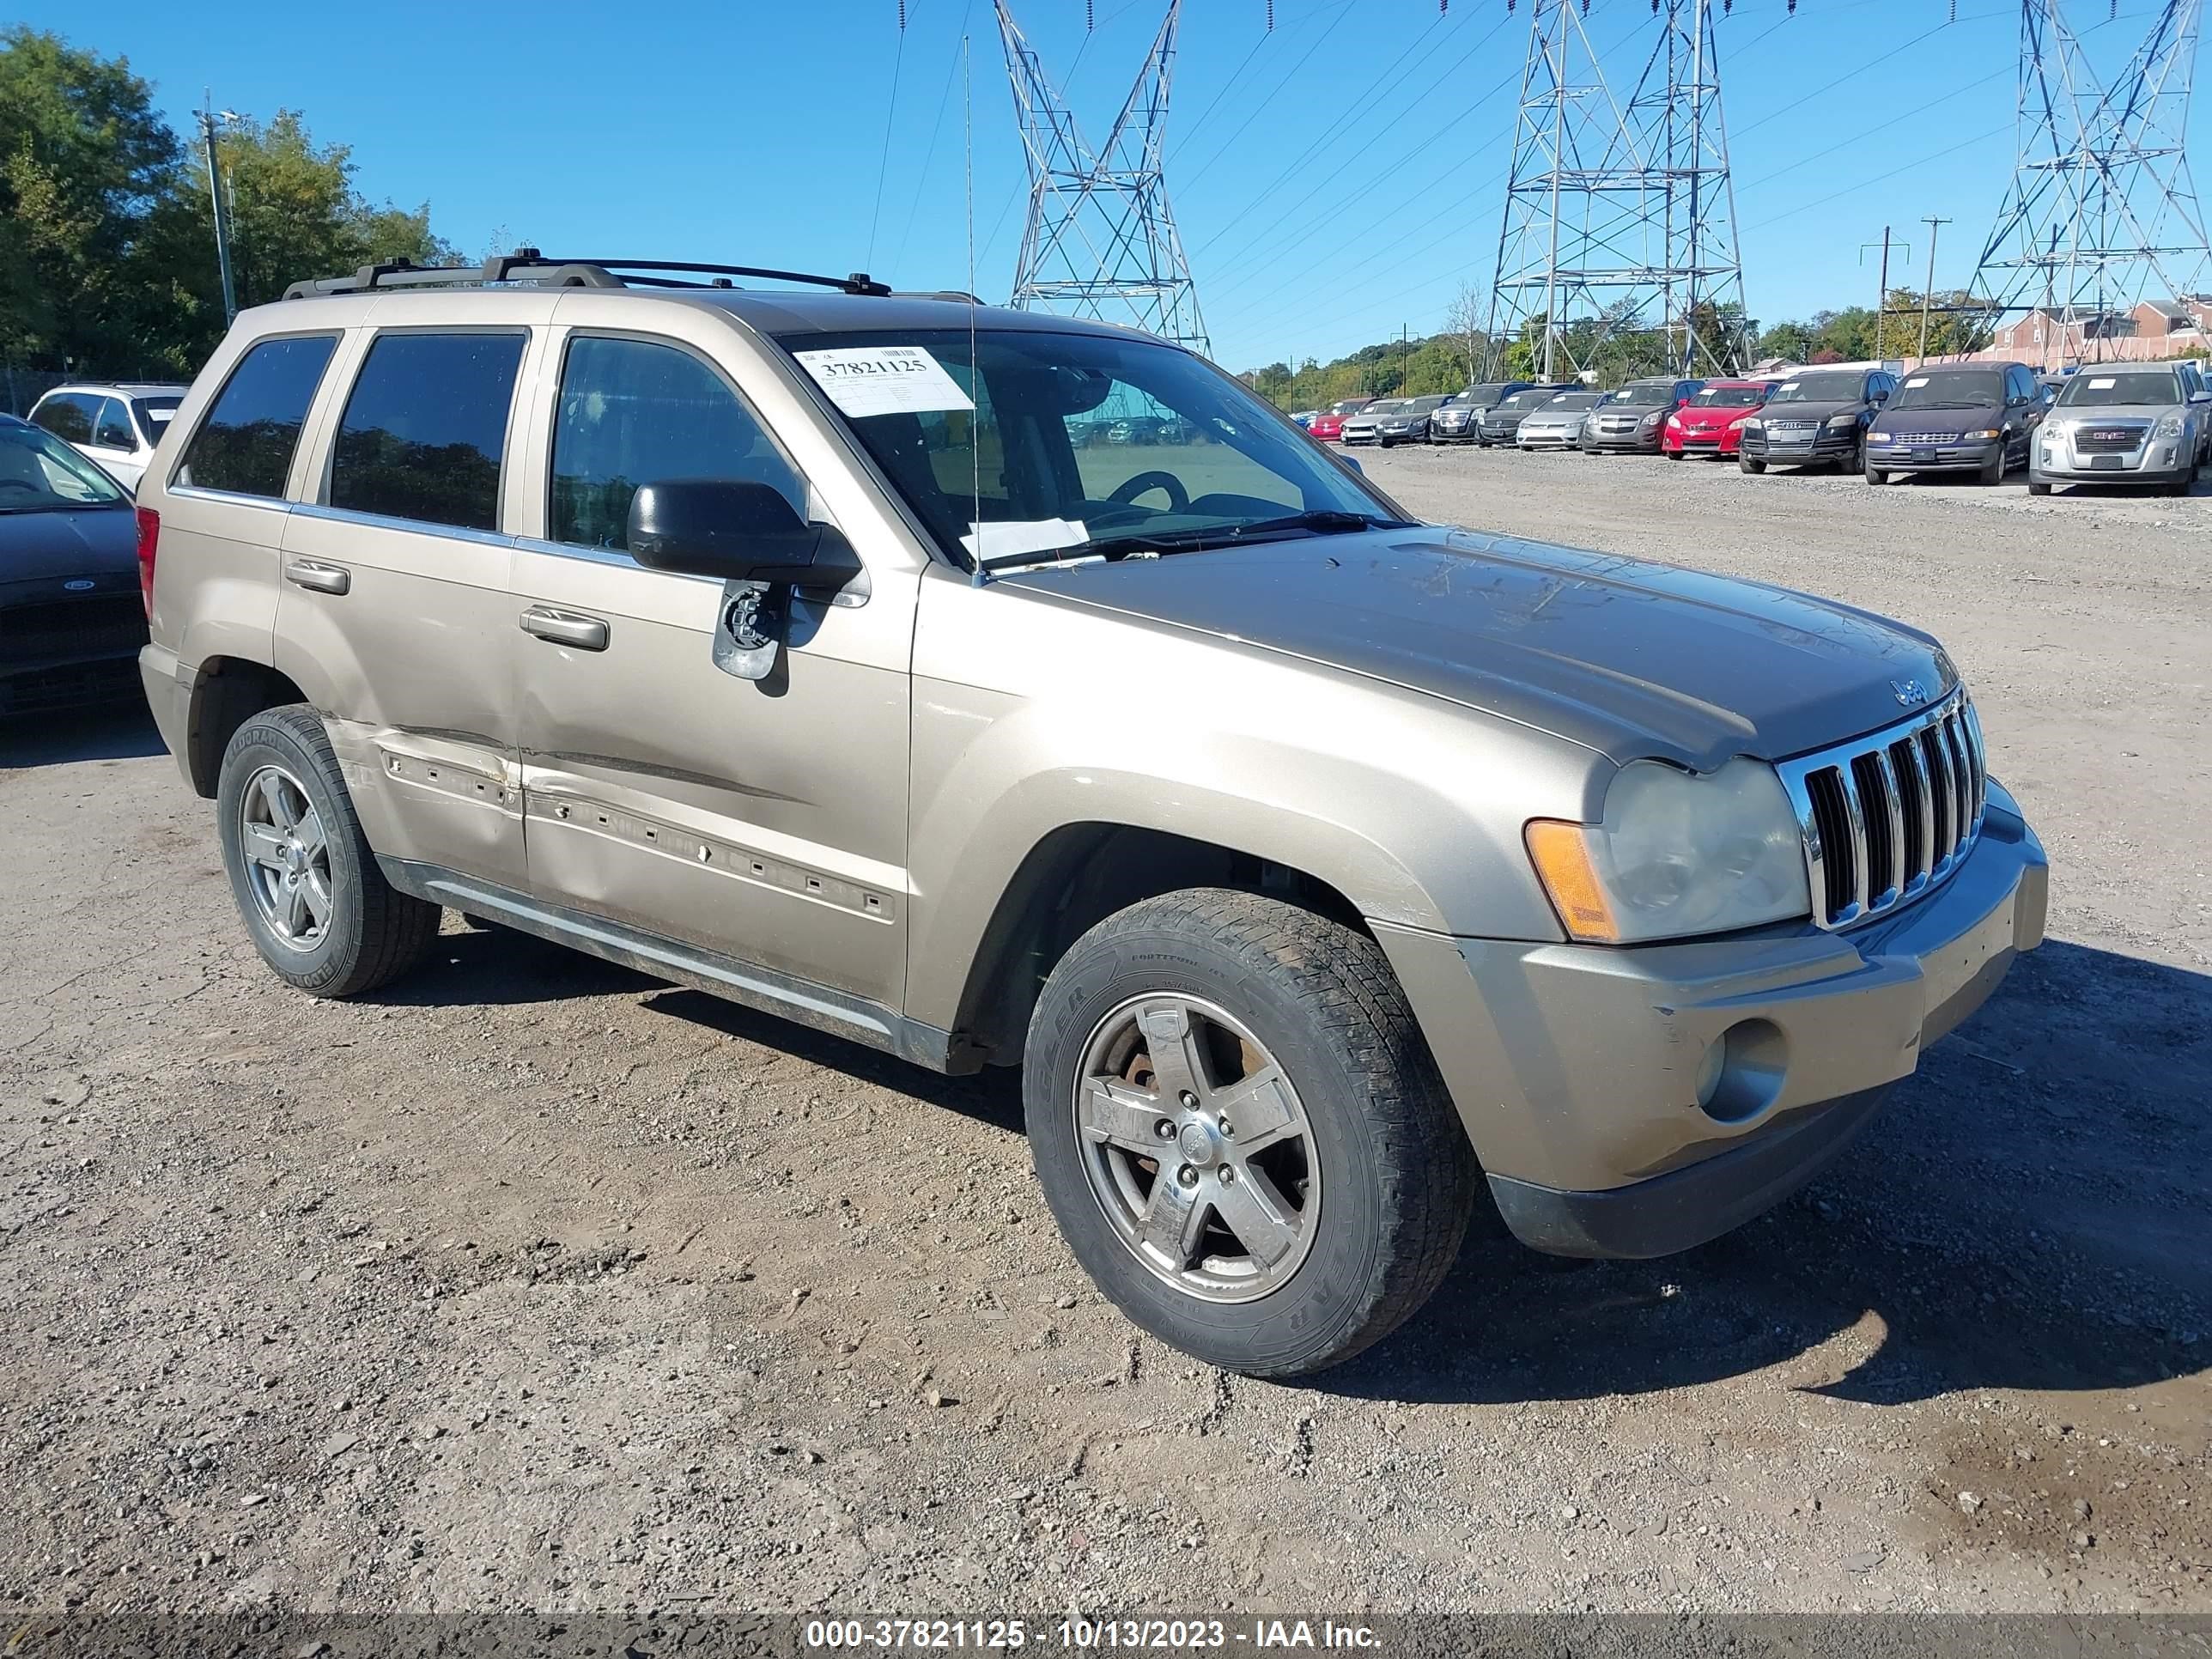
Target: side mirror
1881 396
1352 461
735 530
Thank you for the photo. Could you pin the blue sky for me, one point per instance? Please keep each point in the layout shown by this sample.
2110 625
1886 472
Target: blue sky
1333 179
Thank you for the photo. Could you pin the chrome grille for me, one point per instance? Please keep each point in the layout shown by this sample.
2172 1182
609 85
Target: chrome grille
2109 439
1926 437
1792 429
1887 816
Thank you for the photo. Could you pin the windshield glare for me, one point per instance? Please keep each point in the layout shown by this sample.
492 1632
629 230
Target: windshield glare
1535 397
1643 396
1820 389
1574 400
1037 459
2138 391
1952 389
39 473
1729 396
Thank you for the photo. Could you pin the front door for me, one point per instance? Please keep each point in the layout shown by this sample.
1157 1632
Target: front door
761 820
393 613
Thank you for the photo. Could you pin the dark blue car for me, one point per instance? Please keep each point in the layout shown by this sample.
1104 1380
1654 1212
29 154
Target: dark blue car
71 617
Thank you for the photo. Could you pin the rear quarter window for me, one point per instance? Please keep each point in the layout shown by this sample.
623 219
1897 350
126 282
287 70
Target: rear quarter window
425 429
68 418
244 445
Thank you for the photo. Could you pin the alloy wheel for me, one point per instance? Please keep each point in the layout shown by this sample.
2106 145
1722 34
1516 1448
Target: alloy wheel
288 859
1197 1147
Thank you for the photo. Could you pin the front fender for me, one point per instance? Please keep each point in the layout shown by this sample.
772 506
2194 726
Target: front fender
1410 807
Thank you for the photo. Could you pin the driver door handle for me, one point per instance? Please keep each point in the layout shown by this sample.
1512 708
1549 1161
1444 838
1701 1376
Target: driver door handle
321 578
565 628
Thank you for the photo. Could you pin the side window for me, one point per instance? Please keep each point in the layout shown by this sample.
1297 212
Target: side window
113 431
632 413
425 428
245 442
68 417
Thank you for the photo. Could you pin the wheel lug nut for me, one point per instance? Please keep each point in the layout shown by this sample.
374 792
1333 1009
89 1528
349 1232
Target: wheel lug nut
1228 1130
1228 1175
1165 1129
1187 1176
1189 1101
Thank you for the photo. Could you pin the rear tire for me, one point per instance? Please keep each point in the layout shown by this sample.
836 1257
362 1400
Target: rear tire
307 884
1357 1204
1746 463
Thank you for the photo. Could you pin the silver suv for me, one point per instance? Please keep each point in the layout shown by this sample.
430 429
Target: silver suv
1320 868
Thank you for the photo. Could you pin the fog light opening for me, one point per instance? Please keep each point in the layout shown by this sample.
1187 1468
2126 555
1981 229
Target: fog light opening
1743 1071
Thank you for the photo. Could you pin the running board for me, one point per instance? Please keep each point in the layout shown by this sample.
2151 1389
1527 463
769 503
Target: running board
746 984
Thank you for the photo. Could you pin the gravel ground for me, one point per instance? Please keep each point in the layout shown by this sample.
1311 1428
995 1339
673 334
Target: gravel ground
535 1284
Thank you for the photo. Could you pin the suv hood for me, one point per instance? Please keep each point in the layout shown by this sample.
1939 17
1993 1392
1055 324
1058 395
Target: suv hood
1956 418
1629 658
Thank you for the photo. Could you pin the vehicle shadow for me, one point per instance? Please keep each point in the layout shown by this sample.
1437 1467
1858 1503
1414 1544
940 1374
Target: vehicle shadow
124 730
2030 1211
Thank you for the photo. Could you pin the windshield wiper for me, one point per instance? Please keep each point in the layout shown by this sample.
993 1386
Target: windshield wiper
1321 521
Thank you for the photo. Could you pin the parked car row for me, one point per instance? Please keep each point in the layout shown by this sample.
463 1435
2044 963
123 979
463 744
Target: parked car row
2120 423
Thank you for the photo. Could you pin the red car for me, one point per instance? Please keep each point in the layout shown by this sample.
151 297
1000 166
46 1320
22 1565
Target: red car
1328 425
1711 423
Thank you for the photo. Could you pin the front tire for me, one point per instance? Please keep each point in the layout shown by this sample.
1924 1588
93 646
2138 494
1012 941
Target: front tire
1874 474
1750 463
2037 487
1241 1132
306 885
1993 470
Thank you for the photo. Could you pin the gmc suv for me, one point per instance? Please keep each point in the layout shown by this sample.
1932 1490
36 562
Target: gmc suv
1317 866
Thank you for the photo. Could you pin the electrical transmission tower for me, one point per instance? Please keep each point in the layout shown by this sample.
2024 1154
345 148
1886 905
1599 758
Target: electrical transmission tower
1100 241
1619 219
2101 213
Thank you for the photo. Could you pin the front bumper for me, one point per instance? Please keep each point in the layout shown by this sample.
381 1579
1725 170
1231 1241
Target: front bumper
1575 1069
2157 461
1548 437
1826 445
1933 458
1646 442
1701 440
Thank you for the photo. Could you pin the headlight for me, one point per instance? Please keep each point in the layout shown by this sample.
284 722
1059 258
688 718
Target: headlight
1842 422
1878 437
1677 854
2168 427
1983 436
1674 420
1652 419
1753 423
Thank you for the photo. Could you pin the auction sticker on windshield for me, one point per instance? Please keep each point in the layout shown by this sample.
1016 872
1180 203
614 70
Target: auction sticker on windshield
864 380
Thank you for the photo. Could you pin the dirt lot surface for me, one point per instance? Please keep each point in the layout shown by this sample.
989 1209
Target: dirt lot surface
534 1284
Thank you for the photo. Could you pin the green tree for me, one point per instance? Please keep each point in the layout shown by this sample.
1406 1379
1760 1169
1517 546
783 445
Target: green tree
83 159
293 214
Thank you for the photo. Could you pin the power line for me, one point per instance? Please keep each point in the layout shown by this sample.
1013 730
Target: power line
891 110
952 71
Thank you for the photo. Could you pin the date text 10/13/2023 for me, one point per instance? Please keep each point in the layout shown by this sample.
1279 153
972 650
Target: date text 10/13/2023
1085 1635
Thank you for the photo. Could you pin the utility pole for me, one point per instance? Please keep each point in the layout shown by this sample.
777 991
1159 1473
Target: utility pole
1881 299
209 115
1405 384
1928 288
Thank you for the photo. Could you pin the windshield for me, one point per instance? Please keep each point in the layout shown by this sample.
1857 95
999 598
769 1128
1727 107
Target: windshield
1533 398
1729 396
1386 406
1953 388
1644 396
1821 389
1022 460
1350 406
41 474
1482 394
1568 400
1423 405
2137 389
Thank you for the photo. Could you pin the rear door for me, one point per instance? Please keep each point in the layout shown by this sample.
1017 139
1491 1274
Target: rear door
762 820
393 613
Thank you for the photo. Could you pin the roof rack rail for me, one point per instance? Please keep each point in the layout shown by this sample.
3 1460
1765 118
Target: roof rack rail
527 266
